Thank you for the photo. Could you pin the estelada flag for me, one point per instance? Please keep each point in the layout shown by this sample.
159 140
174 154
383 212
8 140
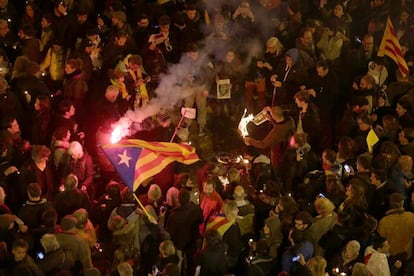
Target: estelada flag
390 47
137 160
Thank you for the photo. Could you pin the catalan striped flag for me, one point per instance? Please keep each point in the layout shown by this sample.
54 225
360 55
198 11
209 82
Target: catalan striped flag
390 46
137 160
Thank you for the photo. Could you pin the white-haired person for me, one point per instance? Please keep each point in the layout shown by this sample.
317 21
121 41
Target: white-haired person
54 258
77 161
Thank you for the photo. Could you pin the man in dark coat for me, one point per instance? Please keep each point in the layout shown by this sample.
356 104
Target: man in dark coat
182 224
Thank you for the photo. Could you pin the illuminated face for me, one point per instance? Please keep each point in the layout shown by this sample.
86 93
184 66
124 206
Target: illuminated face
299 225
363 126
37 105
368 43
338 11
363 84
29 11
14 127
404 16
120 41
193 55
67 137
230 57
191 14
373 179
307 38
271 48
71 111
44 23
19 253
208 189
401 137
321 72
76 151
114 21
143 23
400 110
299 103
69 69
82 18
165 29
111 95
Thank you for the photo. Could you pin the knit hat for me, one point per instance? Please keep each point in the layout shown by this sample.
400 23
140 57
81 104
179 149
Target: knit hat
294 54
68 222
120 15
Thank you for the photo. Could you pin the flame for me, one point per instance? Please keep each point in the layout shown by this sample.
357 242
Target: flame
120 130
243 123
116 135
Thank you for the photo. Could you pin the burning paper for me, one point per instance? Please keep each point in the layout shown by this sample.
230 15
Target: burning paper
243 123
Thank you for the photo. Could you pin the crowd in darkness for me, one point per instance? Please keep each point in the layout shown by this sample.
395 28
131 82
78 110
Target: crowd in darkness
329 185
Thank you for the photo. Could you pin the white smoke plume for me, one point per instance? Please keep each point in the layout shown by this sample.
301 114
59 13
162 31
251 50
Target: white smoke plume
172 88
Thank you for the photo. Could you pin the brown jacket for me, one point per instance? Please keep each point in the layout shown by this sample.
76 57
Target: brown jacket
397 226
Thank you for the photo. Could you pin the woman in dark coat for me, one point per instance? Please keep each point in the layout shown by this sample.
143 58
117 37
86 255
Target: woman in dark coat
40 126
75 86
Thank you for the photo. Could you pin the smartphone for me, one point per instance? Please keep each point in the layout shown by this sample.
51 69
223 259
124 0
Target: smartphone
40 255
321 195
347 168
296 258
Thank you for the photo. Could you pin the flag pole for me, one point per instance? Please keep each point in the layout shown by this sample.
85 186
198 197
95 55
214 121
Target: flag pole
178 126
142 207
274 96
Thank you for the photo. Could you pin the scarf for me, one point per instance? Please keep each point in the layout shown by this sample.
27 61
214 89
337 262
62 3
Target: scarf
121 86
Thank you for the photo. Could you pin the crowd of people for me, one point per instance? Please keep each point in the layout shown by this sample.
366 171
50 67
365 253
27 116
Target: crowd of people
324 180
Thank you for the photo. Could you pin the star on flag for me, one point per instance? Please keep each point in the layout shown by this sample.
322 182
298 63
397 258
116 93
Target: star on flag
124 159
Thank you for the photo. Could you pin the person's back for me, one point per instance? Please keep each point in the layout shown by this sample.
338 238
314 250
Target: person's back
183 221
397 226
71 199
68 240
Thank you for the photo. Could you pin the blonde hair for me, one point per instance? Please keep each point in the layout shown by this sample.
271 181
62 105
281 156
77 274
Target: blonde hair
167 248
49 243
81 216
275 42
324 206
317 266
125 269
228 208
